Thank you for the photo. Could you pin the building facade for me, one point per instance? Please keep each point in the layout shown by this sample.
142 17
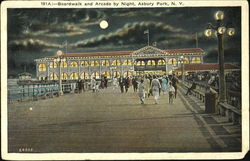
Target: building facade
74 66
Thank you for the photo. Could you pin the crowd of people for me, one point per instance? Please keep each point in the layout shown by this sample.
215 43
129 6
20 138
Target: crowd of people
145 86
149 85
157 85
211 80
233 79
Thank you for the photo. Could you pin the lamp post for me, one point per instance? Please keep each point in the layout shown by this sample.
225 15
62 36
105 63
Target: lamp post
220 30
60 59
181 60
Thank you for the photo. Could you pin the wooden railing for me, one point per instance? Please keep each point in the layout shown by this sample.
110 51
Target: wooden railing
232 113
233 97
224 109
34 93
198 92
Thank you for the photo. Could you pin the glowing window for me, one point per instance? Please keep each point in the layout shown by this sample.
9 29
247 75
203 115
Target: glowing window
116 62
196 60
105 63
74 64
151 62
127 62
53 65
85 75
64 64
107 74
41 78
42 67
96 75
140 63
84 63
94 63
117 74
53 76
186 61
74 76
172 61
161 62
64 76
127 74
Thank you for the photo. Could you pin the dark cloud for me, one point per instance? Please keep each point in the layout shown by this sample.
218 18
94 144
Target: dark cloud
31 45
132 33
36 33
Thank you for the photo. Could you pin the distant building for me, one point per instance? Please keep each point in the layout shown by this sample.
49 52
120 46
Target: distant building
24 76
116 63
206 67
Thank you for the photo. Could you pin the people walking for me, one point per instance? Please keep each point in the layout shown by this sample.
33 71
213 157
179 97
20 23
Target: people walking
115 83
147 86
105 82
93 84
160 80
171 93
193 86
155 87
79 84
175 83
126 84
102 82
135 83
121 84
141 91
164 84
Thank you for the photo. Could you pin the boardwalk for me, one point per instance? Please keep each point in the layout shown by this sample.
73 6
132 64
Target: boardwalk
109 121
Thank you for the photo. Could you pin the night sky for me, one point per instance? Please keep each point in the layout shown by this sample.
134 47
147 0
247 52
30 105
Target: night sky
36 33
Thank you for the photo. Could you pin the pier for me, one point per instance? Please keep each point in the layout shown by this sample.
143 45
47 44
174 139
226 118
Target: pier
110 121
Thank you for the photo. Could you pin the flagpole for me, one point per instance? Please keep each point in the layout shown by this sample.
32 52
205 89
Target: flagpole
148 37
196 38
66 47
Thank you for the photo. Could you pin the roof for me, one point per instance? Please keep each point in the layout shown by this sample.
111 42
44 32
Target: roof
188 50
206 66
109 53
124 53
24 74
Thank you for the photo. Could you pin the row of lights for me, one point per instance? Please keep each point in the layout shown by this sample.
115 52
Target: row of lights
219 29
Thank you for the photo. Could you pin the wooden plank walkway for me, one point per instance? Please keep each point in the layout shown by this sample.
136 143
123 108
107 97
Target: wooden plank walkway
107 121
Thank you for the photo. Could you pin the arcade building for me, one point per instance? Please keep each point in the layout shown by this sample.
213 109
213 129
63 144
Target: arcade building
147 60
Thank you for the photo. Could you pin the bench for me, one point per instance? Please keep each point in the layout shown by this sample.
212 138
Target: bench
233 114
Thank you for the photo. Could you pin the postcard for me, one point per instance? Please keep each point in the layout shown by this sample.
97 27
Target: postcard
132 80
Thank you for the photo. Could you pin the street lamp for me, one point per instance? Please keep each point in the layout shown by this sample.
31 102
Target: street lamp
60 59
181 60
220 30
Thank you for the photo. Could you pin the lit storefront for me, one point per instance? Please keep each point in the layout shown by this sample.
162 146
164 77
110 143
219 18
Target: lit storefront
116 63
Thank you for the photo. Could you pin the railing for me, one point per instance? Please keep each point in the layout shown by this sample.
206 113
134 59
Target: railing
21 94
233 97
142 68
233 113
199 92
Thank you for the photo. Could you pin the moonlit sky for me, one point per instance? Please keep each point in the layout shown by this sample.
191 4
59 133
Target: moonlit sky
36 33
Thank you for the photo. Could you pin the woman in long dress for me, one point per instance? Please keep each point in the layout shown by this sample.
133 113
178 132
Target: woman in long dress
115 83
141 91
147 86
164 85
155 86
